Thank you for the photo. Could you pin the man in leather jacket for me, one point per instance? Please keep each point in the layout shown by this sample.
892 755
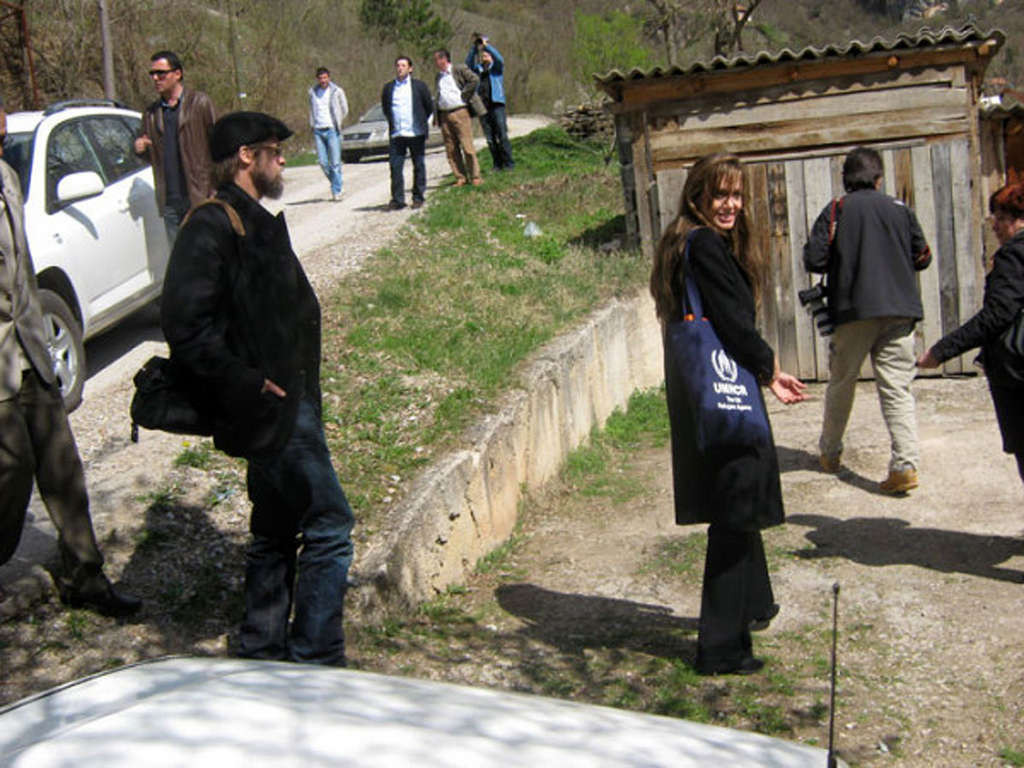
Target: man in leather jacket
176 138
243 325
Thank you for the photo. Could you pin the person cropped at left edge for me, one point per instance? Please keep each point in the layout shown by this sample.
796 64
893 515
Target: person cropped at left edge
35 438
735 489
243 326
1003 301
176 138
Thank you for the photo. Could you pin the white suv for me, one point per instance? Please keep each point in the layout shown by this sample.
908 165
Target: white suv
96 236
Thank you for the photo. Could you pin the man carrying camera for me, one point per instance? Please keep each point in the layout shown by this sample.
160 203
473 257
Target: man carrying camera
870 245
484 59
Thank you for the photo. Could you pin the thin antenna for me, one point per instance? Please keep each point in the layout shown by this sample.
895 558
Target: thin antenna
832 763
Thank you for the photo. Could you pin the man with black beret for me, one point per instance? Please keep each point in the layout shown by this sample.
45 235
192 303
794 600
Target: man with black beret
243 325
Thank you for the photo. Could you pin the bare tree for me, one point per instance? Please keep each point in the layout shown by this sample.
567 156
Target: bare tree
730 19
682 24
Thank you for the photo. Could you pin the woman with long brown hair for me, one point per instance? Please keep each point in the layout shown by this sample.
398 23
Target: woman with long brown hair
736 488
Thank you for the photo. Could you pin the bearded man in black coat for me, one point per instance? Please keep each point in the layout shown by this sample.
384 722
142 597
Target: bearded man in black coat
243 325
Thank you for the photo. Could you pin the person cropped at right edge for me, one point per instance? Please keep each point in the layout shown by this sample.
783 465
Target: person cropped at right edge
1002 303
484 59
871 246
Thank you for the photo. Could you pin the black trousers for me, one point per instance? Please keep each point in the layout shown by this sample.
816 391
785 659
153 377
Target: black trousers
736 590
36 442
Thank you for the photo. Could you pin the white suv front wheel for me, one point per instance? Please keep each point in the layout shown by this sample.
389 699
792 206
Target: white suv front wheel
64 340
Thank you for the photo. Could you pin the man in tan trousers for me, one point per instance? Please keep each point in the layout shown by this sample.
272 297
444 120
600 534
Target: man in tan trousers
457 104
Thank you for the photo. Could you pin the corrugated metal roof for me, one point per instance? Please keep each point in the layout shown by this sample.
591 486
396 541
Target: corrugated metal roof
925 38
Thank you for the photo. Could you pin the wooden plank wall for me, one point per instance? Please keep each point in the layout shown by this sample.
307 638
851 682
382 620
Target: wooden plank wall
837 111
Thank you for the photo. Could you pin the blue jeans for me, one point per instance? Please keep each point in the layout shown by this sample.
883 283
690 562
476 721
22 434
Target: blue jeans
416 147
300 553
496 132
172 223
328 152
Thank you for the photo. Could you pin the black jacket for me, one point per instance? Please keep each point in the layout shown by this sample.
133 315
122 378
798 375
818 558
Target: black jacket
871 265
1004 298
422 106
739 489
238 310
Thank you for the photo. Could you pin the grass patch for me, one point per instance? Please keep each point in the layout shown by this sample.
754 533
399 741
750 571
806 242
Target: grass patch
307 157
681 556
1012 757
162 499
197 455
499 559
598 468
422 341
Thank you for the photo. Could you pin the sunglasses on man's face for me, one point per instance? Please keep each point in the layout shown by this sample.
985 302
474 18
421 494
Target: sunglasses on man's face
275 149
160 73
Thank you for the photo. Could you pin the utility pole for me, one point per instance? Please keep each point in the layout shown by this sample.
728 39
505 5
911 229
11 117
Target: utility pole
233 50
108 51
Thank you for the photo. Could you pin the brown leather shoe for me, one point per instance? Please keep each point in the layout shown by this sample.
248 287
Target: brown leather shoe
829 464
899 481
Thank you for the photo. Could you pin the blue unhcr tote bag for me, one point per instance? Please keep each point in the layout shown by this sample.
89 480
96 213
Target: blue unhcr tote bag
723 396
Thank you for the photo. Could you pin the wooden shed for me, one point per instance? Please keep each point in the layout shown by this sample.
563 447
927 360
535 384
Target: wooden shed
792 117
1003 127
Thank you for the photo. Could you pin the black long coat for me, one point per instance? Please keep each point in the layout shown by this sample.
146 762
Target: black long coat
1004 298
737 488
238 310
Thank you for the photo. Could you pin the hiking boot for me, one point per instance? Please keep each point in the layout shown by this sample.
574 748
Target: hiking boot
829 464
97 593
899 481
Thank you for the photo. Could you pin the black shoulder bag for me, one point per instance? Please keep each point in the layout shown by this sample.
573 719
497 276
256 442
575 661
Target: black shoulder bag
161 401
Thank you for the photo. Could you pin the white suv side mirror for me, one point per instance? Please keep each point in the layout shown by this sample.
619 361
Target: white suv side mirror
78 186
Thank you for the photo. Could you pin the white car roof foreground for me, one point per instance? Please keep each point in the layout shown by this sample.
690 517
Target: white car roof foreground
232 712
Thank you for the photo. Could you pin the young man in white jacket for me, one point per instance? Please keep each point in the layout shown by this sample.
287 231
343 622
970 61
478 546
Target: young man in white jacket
327 109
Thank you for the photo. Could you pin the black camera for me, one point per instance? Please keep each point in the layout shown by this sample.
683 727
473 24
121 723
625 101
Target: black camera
814 300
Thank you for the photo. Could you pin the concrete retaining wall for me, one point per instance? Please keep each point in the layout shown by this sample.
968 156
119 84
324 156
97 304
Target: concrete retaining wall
465 504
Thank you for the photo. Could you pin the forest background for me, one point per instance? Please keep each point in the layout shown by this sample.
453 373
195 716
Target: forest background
262 54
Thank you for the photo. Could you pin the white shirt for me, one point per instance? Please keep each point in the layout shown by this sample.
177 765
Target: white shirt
322 108
448 94
401 108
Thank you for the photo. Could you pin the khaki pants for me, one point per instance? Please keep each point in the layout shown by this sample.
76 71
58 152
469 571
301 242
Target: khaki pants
36 442
457 130
890 342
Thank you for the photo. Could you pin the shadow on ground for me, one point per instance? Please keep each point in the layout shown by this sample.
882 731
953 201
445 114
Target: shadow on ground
796 459
572 622
891 541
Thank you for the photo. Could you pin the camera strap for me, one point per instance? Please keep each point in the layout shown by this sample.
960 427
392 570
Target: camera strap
833 218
